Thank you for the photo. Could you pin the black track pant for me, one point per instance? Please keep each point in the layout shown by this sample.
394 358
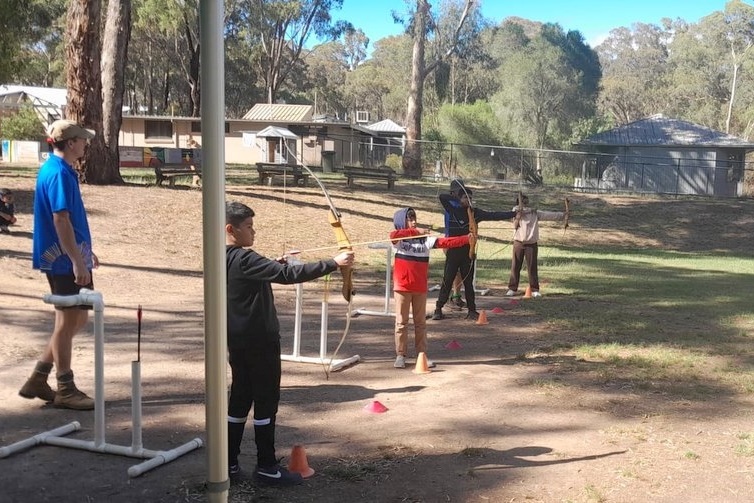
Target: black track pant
256 381
457 259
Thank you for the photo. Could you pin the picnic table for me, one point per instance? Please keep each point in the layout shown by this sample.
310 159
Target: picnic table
380 173
171 171
268 170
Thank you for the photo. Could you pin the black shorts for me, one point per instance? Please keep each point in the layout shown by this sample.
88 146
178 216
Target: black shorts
65 284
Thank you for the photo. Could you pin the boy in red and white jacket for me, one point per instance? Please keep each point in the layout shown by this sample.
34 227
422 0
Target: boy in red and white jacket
410 279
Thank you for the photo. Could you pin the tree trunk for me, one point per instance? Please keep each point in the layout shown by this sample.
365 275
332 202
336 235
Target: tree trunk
733 84
82 68
412 154
412 162
114 56
193 69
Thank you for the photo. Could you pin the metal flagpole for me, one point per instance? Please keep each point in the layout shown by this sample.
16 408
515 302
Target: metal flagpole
213 209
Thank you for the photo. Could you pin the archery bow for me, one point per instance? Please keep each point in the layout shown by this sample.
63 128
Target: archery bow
341 238
473 229
344 244
520 205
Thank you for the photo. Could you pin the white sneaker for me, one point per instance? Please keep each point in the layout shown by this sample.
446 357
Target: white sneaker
431 364
400 362
510 293
536 294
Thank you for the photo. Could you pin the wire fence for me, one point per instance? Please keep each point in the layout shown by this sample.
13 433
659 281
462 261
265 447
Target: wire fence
691 171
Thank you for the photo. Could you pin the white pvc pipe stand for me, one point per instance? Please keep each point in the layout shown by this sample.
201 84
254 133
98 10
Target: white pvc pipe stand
295 356
388 282
135 450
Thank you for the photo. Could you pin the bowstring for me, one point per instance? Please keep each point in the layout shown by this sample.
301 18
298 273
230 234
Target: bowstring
326 367
473 263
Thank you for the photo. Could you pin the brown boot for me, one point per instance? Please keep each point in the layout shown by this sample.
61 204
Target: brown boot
69 396
36 385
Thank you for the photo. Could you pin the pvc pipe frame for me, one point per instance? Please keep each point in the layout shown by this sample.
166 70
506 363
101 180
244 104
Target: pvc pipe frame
388 282
135 450
322 359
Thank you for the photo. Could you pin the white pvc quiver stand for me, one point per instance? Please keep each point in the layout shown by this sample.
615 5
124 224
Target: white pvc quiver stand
135 450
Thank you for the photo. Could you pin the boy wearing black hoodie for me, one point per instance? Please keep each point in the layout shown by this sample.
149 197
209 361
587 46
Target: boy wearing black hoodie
457 204
254 340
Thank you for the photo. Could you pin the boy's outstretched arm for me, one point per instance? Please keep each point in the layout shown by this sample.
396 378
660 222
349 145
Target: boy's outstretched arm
551 216
481 215
452 242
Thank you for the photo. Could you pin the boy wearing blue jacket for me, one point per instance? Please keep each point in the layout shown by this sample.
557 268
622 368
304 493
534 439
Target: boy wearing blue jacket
456 204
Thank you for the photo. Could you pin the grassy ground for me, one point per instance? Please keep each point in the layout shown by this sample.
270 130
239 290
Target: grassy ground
640 348
661 309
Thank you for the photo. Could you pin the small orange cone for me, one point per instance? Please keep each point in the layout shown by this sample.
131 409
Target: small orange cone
527 295
298 463
422 367
482 320
497 310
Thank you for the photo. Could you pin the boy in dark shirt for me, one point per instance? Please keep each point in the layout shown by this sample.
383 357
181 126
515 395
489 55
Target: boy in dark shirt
254 340
456 204
6 210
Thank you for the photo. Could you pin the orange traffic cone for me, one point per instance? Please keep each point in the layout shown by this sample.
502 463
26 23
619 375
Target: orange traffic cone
482 320
422 367
527 295
298 463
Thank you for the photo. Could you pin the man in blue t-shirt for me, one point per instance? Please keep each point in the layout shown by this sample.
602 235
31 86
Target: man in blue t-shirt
62 249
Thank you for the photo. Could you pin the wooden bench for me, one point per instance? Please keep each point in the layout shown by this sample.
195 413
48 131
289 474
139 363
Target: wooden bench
170 172
381 173
268 170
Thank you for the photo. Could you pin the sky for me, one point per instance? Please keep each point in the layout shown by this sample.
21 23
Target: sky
593 18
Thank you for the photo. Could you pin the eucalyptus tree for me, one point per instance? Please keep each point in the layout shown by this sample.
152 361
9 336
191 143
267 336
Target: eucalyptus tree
698 85
242 83
84 87
712 76
367 89
635 71
166 75
733 27
469 75
114 57
379 84
422 25
31 35
355 45
326 69
277 32
545 87
464 75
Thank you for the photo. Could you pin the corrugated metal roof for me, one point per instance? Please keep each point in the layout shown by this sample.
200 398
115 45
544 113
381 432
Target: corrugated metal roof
51 95
279 113
660 131
386 126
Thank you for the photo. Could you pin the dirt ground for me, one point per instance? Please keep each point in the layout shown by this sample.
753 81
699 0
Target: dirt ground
476 429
